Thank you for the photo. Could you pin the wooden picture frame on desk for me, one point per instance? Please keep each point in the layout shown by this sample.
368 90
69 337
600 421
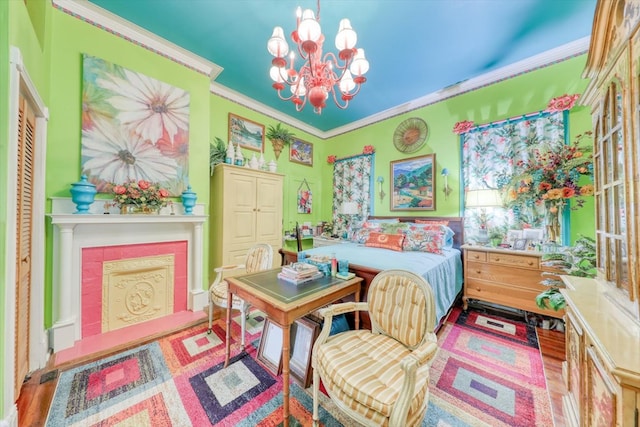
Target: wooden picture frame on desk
270 348
303 334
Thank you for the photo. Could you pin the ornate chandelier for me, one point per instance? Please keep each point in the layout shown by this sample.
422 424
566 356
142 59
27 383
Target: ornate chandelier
318 77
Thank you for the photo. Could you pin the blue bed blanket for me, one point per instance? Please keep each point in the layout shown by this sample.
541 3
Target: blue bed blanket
442 272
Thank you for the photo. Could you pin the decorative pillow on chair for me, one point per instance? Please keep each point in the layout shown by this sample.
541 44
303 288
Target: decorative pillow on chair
385 241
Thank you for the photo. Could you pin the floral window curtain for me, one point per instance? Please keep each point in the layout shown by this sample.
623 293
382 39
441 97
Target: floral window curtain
351 184
491 155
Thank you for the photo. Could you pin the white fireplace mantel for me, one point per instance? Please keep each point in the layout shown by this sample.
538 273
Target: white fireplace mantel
73 232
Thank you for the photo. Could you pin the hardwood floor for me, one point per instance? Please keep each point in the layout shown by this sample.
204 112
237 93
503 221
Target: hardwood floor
37 392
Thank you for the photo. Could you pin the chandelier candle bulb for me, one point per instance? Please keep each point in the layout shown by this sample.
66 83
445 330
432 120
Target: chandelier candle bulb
320 77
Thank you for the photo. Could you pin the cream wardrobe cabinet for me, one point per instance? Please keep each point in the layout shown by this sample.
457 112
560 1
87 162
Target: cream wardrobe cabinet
246 208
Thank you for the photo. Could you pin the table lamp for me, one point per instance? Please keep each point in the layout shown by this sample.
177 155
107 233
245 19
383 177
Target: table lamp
482 198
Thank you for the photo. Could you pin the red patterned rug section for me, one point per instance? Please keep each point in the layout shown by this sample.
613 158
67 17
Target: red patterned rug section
488 370
493 324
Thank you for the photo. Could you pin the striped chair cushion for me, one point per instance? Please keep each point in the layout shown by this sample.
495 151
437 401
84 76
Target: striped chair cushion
219 295
399 306
370 362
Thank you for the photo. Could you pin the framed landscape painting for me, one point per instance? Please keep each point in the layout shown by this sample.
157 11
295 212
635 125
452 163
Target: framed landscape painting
413 184
301 152
247 134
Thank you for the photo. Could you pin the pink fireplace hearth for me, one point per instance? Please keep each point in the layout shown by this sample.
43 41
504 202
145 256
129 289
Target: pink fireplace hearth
114 271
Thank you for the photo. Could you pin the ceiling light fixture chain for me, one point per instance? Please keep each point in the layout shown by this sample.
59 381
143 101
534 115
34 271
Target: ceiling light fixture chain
318 76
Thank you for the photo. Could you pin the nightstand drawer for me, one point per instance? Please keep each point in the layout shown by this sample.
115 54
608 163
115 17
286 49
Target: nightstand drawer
477 256
525 261
511 276
524 299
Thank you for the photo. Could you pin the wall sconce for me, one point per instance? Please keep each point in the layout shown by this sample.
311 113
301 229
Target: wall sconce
446 188
381 191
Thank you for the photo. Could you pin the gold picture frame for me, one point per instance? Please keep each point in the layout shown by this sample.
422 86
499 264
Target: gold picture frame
413 184
301 152
246 133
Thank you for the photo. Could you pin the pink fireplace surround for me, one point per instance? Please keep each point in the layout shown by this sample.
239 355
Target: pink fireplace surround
83 242
92 276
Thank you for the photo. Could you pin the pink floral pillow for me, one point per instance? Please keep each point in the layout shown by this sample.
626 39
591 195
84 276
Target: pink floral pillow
424 240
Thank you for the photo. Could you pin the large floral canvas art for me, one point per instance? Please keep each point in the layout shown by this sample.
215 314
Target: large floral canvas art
134 128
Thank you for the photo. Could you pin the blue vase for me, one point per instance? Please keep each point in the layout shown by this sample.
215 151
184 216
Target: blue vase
188 200
82 194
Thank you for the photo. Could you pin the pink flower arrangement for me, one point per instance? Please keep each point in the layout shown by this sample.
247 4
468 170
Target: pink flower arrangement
368 149
331 159
140 193
561 103
462 127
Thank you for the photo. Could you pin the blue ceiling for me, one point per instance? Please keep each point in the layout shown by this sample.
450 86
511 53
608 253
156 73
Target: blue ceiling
414 47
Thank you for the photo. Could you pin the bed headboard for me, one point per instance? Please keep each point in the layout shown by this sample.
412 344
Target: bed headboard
455 223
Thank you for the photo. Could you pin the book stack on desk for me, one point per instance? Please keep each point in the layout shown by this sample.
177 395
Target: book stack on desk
300 272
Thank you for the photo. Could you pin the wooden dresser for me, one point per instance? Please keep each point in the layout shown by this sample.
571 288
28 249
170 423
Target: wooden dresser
505 277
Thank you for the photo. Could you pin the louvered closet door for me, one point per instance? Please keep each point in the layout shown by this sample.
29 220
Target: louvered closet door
24 202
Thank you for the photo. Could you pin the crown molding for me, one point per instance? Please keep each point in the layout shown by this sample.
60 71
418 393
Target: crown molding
252 104
532 63
101 18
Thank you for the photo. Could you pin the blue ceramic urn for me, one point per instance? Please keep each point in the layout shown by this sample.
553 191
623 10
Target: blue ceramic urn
188 200
82 194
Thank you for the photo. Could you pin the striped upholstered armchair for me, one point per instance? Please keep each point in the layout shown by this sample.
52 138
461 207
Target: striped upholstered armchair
380 377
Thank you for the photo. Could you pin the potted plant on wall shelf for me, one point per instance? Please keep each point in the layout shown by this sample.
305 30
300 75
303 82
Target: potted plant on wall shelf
217 153
578 260
279 137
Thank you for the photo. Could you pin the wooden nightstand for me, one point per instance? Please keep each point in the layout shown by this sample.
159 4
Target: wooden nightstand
505 277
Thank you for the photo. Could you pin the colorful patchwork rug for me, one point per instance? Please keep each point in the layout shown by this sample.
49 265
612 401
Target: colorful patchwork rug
488 372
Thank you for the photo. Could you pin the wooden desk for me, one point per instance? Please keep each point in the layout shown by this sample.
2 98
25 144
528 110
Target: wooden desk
283 303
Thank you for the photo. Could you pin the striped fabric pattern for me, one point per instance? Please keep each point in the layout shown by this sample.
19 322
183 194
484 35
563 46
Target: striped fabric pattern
362 369
365 369
399 307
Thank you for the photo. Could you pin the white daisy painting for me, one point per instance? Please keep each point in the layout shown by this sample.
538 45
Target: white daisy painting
134 127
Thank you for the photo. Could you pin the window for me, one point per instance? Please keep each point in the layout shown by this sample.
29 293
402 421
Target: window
609 166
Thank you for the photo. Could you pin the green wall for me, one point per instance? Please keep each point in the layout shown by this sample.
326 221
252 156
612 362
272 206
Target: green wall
517 96
71 37
294 173
52 44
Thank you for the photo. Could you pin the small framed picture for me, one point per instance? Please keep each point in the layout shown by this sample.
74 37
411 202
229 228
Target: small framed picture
301 152
247 134
270 348
512 236
520 244
413 184
303 334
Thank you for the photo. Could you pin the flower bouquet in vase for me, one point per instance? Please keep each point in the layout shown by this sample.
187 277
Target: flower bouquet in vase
548 180
139 197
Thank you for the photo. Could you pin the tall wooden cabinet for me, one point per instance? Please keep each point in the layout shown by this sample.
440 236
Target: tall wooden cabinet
246 208
602 370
